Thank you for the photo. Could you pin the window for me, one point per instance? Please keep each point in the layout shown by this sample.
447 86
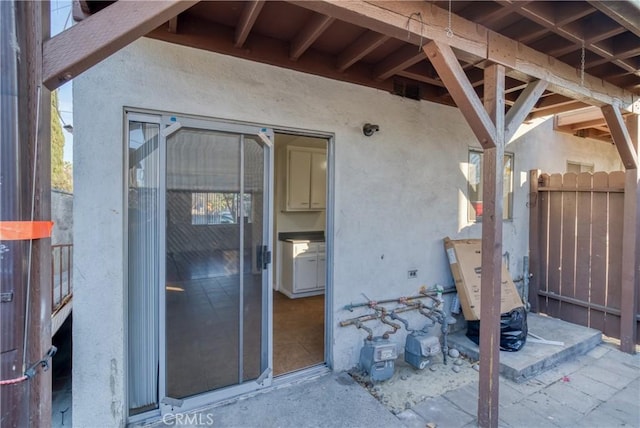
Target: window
475 186
218 208
578 167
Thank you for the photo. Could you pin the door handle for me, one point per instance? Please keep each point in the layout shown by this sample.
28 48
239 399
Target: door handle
263 258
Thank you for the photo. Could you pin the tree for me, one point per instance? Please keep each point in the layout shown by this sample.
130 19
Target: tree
61 171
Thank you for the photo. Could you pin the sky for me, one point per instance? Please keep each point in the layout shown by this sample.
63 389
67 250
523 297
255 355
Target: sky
60 20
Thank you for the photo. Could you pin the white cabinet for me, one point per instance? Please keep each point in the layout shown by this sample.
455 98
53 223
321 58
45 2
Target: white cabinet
306 179
303 268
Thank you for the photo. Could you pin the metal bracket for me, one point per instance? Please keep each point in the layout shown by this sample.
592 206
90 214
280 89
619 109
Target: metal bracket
263 376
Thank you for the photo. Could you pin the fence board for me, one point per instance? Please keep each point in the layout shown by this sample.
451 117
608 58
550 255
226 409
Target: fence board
583 246
614 282
543 240
599 261
555 245
568 261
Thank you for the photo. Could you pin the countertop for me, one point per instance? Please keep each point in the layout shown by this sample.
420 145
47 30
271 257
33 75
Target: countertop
305 236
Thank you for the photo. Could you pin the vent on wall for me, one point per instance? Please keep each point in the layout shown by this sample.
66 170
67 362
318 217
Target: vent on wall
406 89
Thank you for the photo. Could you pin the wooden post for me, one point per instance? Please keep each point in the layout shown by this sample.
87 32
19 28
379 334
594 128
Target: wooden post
491 277
534 240
35 128
630 261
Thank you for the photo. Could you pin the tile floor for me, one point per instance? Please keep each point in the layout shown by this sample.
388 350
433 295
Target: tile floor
298 332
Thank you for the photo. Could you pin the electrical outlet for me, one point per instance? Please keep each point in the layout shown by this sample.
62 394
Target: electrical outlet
412 273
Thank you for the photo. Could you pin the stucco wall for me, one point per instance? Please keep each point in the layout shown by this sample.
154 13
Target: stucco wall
62 216
398 193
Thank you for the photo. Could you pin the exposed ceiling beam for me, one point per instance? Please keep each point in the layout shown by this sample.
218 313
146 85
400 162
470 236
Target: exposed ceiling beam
309 34
557 109
398 61
100 35
364 45
392 19
625 13
249 15
620 136
173 25
465 97
522 107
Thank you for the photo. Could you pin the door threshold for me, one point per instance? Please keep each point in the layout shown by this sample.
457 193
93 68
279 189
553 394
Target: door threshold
298 376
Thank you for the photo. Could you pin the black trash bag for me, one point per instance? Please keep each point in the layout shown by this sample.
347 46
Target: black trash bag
513 330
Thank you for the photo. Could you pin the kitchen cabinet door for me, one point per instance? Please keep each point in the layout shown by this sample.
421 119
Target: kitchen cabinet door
305 273
298 180
318 180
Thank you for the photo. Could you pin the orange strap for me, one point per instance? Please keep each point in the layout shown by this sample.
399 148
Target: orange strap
23 230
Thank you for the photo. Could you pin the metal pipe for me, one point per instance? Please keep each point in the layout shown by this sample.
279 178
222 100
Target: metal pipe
423 294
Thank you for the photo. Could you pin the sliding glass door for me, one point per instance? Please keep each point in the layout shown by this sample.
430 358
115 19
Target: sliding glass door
213 256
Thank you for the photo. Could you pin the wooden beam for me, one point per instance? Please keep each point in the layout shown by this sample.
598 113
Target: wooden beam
88 42
523 105
365 44
620 136
249 15
173 25
548 111
309 34
624 13
630 243
491 275
471 42
398 61
462 92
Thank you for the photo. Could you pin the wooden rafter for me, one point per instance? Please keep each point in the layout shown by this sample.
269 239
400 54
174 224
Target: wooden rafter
364 45
465 97
398 61
314 29
472 41
95 38
173 25
249 15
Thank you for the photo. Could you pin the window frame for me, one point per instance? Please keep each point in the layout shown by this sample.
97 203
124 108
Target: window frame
507 196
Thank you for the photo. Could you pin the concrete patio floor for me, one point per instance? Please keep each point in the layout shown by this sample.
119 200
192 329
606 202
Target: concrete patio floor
598 389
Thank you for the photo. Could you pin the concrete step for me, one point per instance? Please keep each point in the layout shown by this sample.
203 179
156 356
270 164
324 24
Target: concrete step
535 358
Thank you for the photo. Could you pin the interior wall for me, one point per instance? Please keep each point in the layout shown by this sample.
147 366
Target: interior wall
397 193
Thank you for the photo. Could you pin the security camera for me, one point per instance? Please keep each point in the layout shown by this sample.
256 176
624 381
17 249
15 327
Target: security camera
368 129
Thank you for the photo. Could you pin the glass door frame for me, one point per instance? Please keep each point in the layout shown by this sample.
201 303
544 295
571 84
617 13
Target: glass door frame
169 125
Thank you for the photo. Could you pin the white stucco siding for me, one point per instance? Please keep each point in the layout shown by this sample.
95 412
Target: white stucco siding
397 193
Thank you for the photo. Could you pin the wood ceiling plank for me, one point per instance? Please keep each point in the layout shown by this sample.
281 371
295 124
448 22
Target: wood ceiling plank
398 61
465 97
249 15
620 136
522 107
309 34
391 18
365 44
95 38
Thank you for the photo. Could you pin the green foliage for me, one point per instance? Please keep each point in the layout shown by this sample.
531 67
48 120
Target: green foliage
61 171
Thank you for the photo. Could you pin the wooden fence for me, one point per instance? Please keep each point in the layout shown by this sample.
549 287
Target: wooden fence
576 234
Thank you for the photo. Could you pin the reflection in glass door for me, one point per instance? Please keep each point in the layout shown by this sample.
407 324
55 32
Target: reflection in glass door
215 247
